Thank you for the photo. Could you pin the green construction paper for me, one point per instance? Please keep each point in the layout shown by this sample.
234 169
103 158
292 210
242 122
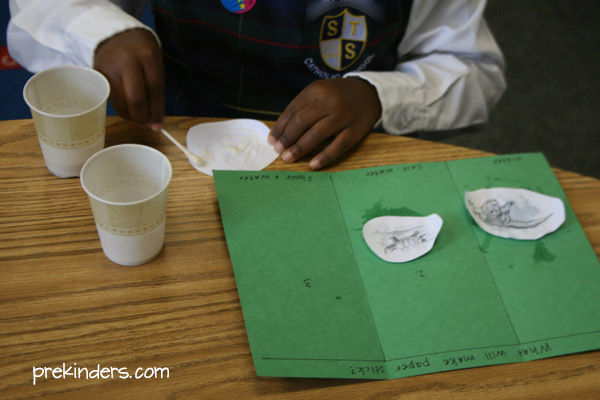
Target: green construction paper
317 302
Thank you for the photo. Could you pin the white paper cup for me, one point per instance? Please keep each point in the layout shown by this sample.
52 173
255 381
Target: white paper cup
68 106
127 188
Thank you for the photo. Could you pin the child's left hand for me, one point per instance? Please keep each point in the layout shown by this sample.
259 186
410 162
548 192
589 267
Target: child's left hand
347 108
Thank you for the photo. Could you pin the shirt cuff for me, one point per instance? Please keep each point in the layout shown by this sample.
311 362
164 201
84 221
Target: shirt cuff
96 25
402 109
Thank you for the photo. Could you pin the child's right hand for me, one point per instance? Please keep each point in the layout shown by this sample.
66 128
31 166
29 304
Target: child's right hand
132 63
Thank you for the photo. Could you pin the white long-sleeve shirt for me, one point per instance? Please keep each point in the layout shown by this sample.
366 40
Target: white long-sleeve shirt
451 79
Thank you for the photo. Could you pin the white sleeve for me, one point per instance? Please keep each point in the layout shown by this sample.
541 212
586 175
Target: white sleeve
46 33
452 71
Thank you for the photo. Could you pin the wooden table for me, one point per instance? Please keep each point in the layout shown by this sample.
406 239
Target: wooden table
63 301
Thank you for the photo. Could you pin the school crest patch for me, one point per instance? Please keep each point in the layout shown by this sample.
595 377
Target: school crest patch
343 39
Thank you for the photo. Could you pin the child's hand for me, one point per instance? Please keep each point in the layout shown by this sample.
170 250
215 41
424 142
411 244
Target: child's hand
132 63
347 108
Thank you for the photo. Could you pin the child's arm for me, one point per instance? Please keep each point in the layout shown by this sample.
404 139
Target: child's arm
45 33
450 77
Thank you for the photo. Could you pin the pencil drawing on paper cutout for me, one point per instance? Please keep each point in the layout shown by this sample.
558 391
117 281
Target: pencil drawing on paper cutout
515 213
492 213
403 240
400 239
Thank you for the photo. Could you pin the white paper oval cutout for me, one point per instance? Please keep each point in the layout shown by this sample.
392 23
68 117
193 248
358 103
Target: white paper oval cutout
398 239
237 144
515 213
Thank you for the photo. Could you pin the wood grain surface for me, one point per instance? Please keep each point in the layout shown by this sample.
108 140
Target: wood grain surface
63 301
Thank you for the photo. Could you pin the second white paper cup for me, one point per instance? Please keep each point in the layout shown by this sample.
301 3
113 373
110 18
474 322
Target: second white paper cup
127 187
68 106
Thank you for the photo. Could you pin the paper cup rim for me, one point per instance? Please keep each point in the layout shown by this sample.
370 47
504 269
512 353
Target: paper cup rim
52 69
121 203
